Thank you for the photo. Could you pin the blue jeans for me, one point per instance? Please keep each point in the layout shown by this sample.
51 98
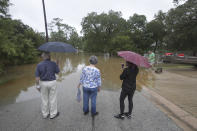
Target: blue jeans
89 93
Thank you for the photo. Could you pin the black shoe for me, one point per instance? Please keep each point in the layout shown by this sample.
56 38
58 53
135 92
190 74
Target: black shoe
95 114
85 113
119 116
128 115
55 115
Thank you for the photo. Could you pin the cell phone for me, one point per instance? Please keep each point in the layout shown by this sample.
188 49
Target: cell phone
122 65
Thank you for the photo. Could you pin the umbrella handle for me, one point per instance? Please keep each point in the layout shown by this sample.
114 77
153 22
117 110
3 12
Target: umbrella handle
122 65
57 62
56 58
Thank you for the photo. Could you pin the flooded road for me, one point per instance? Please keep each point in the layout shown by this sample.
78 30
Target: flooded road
17 84
177 85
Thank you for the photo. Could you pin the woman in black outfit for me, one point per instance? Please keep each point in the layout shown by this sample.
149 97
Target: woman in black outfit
128 76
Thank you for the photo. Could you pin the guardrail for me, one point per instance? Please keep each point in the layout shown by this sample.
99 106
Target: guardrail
181 60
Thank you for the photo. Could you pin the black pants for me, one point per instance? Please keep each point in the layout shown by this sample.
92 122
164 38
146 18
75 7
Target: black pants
123 95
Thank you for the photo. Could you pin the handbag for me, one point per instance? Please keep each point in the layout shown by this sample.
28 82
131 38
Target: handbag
79 95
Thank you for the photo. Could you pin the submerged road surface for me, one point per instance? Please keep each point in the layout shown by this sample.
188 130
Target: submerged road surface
26 116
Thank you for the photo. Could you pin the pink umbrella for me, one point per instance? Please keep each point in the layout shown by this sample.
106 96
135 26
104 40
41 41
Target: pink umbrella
134 58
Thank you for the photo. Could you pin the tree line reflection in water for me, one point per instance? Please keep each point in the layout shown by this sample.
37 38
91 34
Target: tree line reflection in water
110 68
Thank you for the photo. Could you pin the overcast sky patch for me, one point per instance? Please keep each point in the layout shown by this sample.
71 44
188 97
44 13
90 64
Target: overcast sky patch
72 11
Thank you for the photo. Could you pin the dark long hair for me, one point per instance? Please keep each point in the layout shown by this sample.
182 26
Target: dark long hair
131 65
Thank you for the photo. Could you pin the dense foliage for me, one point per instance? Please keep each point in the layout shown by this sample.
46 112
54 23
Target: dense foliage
181 26
111 33
175 30
4 4
18 42
63 32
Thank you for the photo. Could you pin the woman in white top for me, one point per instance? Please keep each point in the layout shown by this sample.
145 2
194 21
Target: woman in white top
91 82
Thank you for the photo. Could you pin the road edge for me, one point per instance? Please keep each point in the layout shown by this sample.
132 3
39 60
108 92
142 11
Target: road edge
180 114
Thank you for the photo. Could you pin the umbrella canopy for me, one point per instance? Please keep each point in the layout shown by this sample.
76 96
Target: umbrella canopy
57 47
134 58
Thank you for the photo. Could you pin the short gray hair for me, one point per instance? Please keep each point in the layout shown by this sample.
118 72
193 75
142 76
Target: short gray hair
93 60
46 55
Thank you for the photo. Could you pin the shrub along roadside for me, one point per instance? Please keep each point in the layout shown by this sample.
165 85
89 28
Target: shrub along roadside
18 43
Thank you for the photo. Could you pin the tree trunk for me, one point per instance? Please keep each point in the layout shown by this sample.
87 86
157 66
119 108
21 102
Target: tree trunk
156 44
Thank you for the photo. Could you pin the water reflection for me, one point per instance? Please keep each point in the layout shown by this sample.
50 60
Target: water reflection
20 85
19 79
145 78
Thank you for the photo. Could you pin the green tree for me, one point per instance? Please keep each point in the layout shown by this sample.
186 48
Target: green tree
157 29
18 43
99 30
63 32
4 4
121 42
137 31
177 1
181 25
137 22
76 40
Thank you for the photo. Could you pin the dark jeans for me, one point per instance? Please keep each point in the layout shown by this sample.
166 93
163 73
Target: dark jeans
123 95
89 93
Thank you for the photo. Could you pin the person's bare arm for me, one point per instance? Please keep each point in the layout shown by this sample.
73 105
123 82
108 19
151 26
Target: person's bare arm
79 85
57 62
37 82
99 89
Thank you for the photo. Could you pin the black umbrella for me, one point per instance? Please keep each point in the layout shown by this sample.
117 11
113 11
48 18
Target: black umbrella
57 47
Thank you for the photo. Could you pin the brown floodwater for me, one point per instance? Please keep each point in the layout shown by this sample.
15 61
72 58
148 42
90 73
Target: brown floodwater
18 83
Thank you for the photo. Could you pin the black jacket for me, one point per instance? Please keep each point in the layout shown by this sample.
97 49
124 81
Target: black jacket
128 76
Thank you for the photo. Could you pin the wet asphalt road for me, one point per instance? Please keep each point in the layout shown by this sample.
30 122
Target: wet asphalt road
26 116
